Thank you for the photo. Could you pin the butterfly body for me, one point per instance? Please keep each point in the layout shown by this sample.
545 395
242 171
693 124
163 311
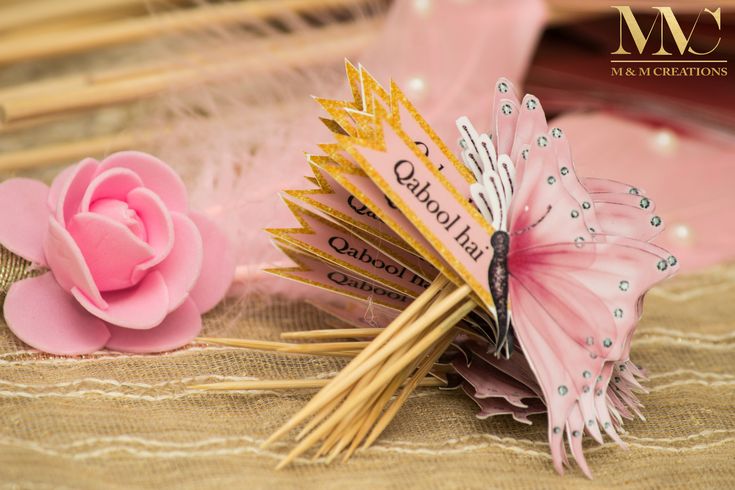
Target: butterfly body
498 282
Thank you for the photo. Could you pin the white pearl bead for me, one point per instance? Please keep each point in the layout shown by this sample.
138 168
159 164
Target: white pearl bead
417 87
423 7
682 233
664 141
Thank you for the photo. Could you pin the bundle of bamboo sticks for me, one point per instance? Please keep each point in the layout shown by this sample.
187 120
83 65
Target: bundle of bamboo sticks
356 406
50 36
38 35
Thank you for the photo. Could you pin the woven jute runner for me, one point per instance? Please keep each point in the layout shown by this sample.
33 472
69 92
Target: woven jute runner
119 421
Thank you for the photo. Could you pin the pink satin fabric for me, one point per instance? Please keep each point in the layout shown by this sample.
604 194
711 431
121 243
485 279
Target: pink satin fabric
688 176
458 49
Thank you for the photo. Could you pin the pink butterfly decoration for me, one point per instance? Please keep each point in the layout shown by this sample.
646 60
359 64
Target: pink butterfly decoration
573 261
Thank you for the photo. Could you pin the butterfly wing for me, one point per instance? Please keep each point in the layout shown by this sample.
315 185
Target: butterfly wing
576 289
506 104
574 311
596 185
542 210
607 206
627 215
579 264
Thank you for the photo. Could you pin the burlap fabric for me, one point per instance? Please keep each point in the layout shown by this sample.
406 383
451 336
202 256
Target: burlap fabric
123 421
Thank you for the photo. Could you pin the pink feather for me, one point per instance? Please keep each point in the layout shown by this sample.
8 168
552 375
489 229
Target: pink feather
239 138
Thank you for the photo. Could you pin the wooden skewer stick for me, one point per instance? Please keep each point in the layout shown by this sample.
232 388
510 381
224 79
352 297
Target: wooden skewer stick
351 425
327 347
329 407
40 11
84 97
194 58
287 384
245 343
359 424
408 388
64 25
138 29
69 152
267 345
122 89
347 375
386 375
333 333
46 85
384 349
364 381
378 407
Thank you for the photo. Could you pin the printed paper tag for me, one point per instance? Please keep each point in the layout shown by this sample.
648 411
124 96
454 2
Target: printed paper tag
333 200
352 178
400 169
414 263
315 272
328 241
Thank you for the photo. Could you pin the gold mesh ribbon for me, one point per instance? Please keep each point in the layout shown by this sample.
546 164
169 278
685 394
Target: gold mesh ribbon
13 269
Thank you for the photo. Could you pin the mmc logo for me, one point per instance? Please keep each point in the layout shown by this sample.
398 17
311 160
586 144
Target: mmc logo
667 22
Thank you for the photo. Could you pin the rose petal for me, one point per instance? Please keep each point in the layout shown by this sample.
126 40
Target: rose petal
115 183
73 189
179 328
142 306
158 224
155 174
218 265
58 185
182 266
67 263
119 212
24 218
48 318
111 251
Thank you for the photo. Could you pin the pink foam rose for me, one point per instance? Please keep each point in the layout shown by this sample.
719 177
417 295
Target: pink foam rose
131 268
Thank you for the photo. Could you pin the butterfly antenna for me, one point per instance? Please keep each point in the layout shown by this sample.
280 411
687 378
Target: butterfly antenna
533 225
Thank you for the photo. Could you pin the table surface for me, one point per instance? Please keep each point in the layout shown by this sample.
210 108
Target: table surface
118 421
